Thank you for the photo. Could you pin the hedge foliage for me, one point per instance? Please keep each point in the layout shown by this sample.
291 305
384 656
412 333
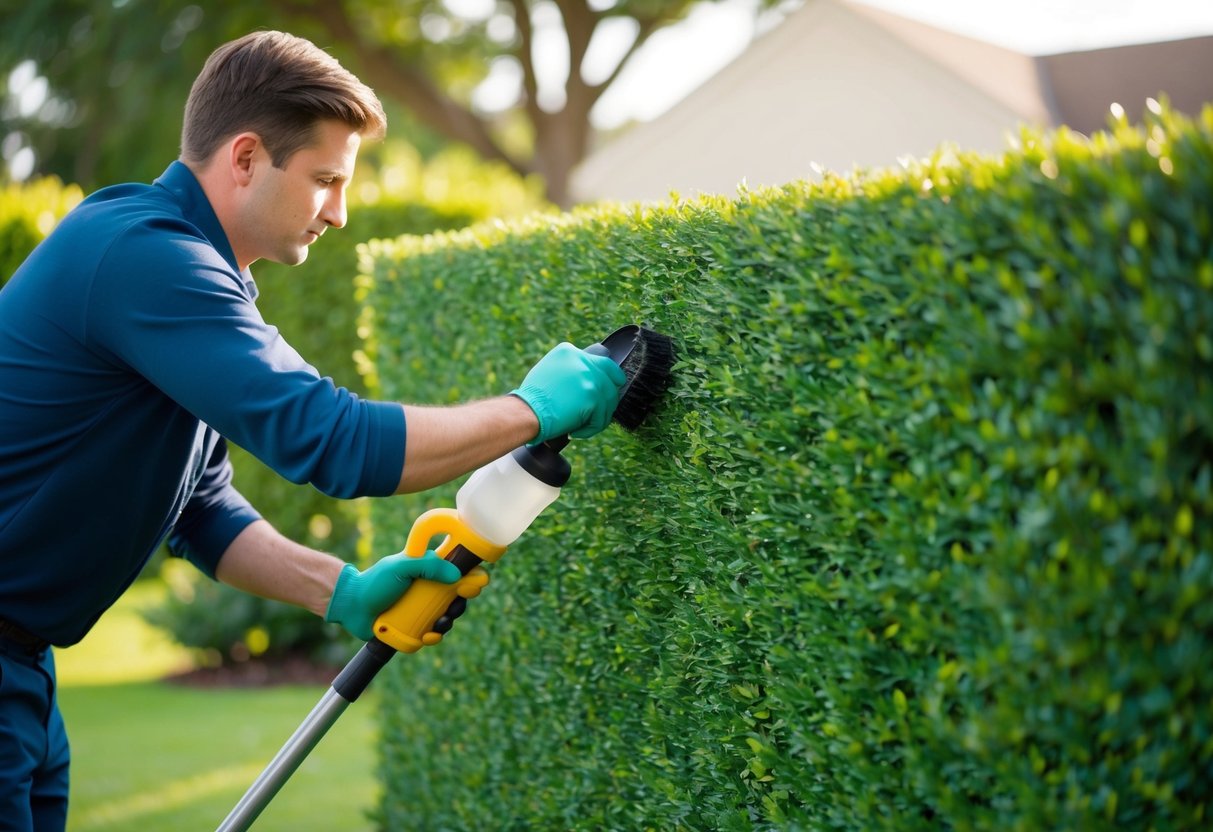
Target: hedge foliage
920 539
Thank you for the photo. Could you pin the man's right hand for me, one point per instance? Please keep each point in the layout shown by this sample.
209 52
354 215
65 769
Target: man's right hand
572 391
360 597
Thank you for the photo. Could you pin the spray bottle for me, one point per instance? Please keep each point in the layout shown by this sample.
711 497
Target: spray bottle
492 509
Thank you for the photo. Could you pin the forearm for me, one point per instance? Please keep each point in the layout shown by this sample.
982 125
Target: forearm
446 442
263 562
443 443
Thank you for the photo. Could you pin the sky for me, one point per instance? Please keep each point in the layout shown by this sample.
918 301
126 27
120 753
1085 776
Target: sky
676 61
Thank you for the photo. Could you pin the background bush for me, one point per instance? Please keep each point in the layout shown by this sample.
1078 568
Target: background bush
28 212
920 539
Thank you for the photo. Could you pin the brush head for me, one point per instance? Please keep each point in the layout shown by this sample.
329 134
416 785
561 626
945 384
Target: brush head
647 359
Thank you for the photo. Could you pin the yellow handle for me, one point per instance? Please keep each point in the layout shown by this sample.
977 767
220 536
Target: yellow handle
408 624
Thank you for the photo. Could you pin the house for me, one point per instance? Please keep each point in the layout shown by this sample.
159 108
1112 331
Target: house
841 84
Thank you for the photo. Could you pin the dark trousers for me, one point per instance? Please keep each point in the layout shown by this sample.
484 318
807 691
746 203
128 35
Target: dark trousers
34 753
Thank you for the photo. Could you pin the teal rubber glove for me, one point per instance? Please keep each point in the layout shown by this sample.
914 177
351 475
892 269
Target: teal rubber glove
572 391
360 597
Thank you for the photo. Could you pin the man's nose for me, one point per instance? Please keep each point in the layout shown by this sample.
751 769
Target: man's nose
334 212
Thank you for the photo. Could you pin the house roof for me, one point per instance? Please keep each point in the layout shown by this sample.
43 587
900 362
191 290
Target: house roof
842 83
1084 84
1009 77
1071 88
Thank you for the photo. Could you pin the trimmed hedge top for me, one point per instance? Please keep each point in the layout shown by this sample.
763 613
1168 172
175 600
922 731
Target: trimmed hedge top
919 540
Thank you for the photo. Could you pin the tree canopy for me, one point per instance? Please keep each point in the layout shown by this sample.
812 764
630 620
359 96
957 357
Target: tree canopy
96 90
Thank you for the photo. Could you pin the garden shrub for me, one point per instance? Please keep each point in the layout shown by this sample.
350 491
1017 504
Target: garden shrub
28 212
919 540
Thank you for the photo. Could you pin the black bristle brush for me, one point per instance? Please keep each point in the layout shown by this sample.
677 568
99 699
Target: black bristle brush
646 358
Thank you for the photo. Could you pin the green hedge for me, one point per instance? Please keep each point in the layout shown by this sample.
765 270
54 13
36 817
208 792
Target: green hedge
920 539
28 212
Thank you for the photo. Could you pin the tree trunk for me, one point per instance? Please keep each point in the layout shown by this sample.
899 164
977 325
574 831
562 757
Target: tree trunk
561 142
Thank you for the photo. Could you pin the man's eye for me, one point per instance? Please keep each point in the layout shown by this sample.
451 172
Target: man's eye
326 182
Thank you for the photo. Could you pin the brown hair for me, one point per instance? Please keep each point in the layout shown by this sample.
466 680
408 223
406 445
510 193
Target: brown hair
277 86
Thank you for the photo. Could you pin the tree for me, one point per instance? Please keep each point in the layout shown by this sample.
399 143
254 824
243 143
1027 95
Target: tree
117 73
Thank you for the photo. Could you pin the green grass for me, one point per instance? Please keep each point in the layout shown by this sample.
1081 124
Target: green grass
147 754
122 647
150 755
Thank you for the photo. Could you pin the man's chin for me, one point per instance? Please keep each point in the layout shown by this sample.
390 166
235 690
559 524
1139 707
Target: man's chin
290 258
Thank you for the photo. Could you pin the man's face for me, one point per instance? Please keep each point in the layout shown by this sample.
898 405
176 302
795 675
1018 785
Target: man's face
287 209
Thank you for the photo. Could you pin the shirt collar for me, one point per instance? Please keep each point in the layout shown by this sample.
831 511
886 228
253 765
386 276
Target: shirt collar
180 181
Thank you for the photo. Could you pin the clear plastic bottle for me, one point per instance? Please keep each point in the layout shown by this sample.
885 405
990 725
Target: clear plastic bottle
501 499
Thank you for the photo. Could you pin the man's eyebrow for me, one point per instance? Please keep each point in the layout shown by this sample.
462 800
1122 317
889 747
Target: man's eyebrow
330 173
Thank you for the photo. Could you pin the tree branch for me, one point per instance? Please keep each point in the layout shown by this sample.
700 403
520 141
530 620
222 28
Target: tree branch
579 25
406 82
526 56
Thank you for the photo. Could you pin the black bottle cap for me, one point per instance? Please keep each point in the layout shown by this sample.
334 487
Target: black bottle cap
544 464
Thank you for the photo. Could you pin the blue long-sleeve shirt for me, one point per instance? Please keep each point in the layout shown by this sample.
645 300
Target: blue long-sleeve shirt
130 350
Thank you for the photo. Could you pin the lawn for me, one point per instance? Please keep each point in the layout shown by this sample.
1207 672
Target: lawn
147 754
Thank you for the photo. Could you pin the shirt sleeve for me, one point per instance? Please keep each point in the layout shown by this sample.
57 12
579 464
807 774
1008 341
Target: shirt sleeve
213 517
165 304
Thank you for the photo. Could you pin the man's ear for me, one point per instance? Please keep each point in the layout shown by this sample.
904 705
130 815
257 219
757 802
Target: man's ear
243 157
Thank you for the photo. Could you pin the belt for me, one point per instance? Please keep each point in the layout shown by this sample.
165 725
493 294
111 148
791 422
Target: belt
21 638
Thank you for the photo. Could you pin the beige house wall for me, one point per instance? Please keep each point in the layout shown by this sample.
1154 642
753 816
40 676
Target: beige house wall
827 86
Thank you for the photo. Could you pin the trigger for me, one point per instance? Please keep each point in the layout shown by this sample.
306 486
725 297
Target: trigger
469 585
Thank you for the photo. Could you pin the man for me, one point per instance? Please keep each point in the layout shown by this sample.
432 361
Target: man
131 351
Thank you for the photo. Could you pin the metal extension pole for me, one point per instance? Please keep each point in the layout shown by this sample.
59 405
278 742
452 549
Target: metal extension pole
346 688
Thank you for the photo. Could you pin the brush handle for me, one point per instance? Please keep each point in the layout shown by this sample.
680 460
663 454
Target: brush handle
408 624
